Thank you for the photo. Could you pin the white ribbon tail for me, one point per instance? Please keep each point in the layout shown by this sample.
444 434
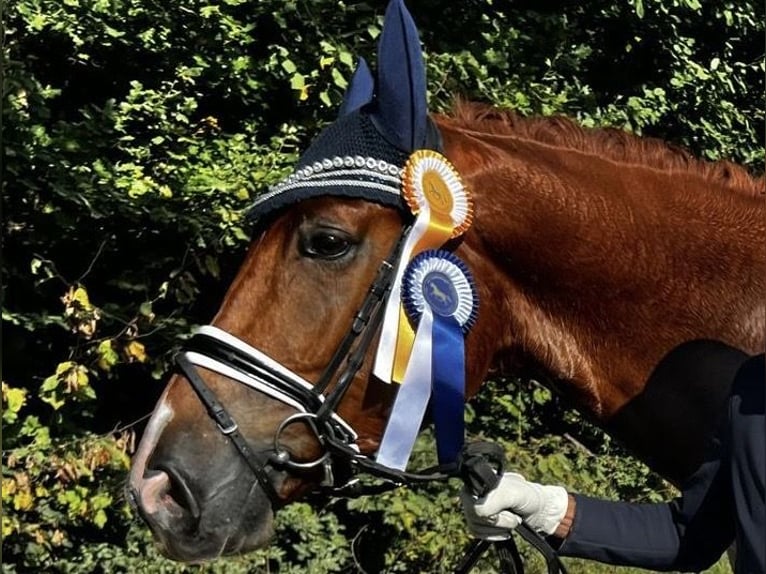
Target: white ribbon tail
411 401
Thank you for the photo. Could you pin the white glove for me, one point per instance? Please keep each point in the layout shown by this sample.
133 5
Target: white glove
541 507
493 528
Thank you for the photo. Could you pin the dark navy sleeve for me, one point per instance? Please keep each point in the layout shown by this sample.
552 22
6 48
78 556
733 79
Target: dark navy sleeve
747 412
689 534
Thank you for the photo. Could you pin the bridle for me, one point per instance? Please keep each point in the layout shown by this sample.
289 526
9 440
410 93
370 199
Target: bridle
216 350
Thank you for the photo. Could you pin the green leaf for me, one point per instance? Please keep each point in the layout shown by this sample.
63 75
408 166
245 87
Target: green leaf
373 31
346 58
639 7
211 264
13 400
338 79
107 356
99 519
289 66
297 82
38 22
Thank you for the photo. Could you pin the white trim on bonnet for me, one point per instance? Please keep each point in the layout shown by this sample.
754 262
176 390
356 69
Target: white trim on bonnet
348 171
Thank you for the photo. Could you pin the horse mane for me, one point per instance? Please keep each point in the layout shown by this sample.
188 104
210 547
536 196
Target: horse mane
615 144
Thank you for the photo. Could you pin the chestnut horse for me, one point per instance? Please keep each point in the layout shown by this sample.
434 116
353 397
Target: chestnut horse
629 274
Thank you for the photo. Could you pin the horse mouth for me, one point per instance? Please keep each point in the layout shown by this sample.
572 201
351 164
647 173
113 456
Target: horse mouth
210 541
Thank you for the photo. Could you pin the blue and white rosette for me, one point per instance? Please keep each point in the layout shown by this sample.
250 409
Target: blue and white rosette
439 297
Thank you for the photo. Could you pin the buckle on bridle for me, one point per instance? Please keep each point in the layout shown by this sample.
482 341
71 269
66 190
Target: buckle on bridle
228 429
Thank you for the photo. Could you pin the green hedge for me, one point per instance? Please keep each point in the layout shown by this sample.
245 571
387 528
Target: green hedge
134 134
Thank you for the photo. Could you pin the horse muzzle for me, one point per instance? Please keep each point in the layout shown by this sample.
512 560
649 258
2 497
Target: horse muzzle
234 516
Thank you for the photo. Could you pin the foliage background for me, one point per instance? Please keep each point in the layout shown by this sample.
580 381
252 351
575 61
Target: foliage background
135 132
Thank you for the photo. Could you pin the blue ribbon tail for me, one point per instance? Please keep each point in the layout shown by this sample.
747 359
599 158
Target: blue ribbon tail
448 392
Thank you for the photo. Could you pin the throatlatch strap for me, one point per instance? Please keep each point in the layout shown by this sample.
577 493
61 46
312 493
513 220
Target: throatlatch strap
228 426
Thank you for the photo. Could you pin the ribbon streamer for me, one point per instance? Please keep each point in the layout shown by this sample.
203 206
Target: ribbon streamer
438 294
448 388
410 404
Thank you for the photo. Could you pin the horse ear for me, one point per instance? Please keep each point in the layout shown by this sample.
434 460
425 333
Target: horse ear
360 90
402 110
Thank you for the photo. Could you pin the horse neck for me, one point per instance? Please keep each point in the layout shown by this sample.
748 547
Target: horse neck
604 268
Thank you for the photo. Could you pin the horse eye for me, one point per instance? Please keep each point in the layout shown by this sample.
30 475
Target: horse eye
325 244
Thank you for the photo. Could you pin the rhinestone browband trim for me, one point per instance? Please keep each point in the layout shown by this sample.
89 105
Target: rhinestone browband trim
342 171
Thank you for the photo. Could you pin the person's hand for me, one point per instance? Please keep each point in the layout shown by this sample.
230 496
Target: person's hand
513 500
493 528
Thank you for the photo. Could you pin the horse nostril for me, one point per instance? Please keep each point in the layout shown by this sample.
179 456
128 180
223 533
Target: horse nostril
179 492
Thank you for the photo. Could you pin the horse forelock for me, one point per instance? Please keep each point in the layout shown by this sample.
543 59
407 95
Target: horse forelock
614 144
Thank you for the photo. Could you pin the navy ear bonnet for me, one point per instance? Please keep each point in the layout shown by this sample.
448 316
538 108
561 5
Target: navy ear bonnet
362 154
348 159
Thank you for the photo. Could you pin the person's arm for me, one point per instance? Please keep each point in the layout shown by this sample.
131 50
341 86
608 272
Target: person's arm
689 533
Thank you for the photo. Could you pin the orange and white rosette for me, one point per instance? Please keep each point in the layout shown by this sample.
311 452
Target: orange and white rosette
443 210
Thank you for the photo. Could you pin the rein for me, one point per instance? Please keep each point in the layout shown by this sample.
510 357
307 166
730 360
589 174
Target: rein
218 351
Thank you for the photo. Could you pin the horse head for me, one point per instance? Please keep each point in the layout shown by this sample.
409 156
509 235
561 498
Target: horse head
242 428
